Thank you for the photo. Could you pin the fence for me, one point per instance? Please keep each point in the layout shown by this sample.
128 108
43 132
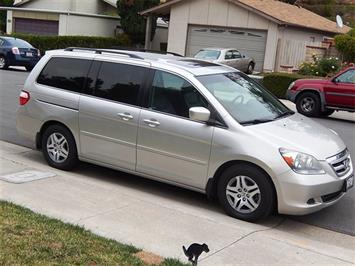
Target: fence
291 53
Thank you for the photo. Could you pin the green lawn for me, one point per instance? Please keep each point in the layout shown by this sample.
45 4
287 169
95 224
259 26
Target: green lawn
28 238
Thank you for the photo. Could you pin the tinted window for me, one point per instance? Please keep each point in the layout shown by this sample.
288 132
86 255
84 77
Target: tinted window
174 95
236 54
19 43
65 73
229 55
120 82
347 77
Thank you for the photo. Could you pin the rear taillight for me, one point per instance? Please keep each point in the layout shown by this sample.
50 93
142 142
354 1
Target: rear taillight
24 97
15 50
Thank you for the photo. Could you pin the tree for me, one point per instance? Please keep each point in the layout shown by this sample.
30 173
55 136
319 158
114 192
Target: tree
345 44
3 14
132 23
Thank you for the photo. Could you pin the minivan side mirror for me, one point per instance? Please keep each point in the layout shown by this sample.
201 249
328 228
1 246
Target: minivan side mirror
199 114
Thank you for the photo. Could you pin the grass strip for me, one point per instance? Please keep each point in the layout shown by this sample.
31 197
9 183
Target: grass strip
27 238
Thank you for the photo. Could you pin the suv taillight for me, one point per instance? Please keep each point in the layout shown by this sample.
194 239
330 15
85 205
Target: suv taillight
15 50
24 97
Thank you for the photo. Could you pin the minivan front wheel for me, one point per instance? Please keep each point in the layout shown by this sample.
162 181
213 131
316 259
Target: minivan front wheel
245 193
59 148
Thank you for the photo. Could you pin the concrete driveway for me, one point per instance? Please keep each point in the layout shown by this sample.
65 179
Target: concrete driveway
161 218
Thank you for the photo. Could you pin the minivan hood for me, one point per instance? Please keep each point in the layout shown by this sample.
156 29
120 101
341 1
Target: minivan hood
302 134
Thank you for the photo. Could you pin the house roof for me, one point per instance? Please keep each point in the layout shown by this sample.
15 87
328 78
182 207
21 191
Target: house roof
279 12
21 2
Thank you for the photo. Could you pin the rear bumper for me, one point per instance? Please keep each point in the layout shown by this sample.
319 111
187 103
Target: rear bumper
18 60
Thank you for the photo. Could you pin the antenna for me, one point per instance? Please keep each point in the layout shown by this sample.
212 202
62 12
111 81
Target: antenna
340 22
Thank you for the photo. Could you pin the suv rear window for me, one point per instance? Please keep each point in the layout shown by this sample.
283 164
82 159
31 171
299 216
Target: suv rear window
65 73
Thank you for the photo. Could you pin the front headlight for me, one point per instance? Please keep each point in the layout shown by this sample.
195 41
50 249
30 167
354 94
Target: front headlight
302 163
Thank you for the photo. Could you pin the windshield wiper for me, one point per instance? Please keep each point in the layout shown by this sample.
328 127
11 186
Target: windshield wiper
287 113
256 121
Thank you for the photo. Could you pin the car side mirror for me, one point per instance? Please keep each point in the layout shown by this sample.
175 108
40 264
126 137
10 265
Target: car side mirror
335 80
201 114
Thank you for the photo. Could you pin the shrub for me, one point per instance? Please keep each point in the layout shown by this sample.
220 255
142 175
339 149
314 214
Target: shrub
278 83
346 45
45 43
320 67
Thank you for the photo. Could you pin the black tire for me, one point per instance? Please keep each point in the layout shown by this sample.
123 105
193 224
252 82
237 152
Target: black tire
72 158
327 112
5 65
308 104
250 68
267 195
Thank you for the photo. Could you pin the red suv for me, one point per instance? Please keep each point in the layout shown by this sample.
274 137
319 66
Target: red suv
321 97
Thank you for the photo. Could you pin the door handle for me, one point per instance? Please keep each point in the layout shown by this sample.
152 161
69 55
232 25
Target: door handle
151 122
125 116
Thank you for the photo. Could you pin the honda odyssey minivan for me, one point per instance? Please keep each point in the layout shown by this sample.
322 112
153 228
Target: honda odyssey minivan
190 123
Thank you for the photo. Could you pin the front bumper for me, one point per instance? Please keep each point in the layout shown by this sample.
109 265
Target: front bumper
291 95
305 194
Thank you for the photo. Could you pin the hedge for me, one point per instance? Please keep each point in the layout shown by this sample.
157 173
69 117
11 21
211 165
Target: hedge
45 43
278 83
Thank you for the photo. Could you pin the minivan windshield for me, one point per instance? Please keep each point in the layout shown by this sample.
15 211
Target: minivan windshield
244 99
208 54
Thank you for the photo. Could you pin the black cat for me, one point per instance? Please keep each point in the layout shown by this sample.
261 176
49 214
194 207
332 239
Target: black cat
194 251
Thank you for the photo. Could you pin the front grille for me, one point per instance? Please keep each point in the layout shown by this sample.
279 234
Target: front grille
341 163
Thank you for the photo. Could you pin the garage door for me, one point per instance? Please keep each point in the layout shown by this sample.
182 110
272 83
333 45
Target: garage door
36 26
250 42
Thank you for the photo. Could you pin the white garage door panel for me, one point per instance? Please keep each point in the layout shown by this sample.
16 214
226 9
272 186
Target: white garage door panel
250 42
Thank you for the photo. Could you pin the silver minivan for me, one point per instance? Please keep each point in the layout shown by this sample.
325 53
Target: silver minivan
190 123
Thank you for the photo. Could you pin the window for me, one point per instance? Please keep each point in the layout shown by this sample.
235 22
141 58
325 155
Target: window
174 95
120 82
208 54
65 73
236 54
229 55
347 77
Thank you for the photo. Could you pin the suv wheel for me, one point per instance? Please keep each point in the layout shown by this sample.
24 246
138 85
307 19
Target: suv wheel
59 148
245 193
308 104
3 63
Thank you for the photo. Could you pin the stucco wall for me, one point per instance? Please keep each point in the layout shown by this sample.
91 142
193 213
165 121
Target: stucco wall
84 6
87 26
218 13
292 33
161 36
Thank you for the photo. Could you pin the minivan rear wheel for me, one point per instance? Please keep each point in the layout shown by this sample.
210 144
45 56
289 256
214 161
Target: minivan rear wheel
59 148
246 193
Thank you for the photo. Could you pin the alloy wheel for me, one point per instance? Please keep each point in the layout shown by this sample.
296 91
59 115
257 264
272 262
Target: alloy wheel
2 62
57 147
243 194
307 104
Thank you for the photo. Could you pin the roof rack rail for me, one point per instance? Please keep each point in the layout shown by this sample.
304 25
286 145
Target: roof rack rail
144 50
101 51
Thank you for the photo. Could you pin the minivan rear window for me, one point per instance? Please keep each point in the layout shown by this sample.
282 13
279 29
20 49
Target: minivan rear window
120 82
65 73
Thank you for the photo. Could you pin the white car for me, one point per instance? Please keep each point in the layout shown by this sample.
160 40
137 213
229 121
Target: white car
228 56
186 122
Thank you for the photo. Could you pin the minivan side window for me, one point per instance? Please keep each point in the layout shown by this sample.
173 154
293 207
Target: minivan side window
120 82
174 95
65 73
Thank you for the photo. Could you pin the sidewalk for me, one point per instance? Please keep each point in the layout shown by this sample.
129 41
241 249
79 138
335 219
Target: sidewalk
161 218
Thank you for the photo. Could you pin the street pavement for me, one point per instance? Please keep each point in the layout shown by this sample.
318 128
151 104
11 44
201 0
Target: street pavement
339 217
161 218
